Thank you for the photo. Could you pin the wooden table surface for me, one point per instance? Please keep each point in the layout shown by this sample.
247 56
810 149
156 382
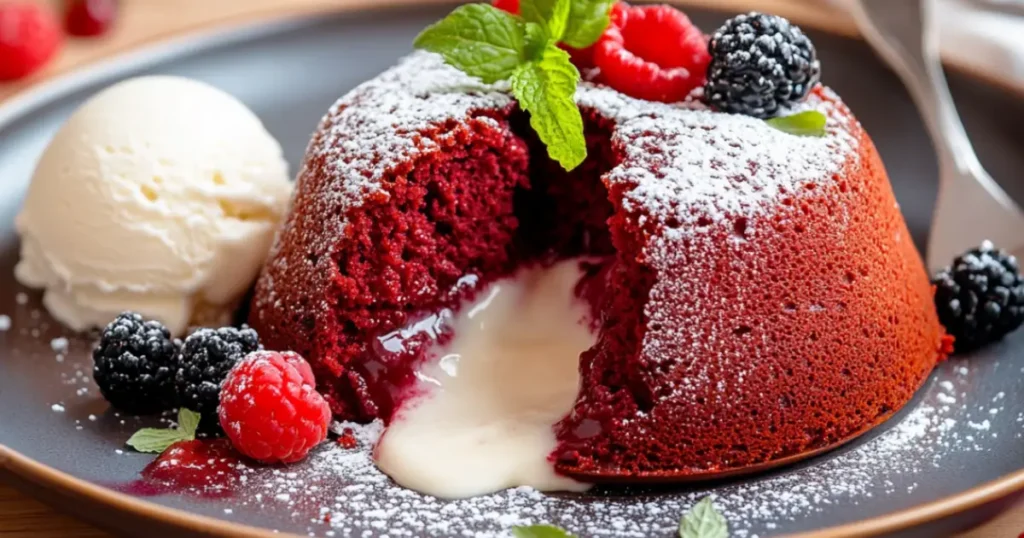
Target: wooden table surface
146 21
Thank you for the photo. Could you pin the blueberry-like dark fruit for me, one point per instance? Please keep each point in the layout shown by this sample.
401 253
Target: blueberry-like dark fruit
133 364
205 360
980 298
760 64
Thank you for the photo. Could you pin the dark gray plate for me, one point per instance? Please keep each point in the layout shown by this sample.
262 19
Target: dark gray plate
963 430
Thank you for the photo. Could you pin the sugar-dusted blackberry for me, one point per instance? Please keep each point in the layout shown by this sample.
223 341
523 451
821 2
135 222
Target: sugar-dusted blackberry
759 64
133 364
980 298
205 360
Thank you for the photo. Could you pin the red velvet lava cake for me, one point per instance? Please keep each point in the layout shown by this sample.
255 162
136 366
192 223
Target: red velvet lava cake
761 297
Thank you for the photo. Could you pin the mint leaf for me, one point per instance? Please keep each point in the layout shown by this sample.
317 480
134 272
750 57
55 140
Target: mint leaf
156 440
479 40
188 422
540 531
703 521
546 88
536 40
588 19
552 15
808 123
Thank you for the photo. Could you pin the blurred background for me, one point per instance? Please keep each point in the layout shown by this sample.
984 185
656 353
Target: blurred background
985 36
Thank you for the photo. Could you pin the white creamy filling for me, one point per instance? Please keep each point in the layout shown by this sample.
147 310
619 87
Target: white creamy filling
483 417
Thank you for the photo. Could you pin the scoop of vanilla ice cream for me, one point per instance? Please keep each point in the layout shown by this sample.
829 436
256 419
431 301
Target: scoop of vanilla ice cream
159 195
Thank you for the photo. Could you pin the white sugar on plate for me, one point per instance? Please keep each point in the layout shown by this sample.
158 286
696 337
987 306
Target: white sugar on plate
59 344
369 500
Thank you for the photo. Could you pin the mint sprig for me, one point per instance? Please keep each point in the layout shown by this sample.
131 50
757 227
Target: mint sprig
703 521
545 89
490 44
478 39
552 15
540 531
588 19
807 123
156 440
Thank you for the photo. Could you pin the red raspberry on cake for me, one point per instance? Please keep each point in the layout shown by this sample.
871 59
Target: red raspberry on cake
270 409
653 53
584 58
29 36
512 6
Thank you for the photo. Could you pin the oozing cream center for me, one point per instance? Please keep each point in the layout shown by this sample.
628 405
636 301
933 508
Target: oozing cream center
485 406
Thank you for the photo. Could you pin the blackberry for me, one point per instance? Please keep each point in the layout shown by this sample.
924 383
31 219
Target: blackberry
980 298
133 364
759 64
205 360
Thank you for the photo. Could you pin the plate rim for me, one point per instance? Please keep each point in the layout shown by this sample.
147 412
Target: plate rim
263 23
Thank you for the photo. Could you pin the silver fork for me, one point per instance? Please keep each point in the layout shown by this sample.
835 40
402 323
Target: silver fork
1009 7
971 206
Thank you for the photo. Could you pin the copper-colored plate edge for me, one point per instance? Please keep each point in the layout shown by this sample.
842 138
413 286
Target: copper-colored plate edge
802 13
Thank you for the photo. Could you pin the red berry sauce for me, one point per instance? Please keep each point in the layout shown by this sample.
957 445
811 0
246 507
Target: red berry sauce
207 468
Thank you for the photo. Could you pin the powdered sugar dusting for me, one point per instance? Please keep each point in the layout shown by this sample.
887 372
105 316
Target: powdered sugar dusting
366 503
682 165
689 172
337 491
368 135
375 129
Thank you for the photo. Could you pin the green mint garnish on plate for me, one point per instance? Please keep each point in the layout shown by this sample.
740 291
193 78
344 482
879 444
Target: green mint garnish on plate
808 123
703 521
540 531
156 440
492 45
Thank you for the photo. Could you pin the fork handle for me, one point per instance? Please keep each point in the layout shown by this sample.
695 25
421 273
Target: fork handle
893 27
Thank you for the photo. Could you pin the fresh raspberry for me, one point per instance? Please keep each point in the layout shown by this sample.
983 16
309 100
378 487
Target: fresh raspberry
618 13
29 36
581 58
87 18
270 409
512 6
653 53
584 58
